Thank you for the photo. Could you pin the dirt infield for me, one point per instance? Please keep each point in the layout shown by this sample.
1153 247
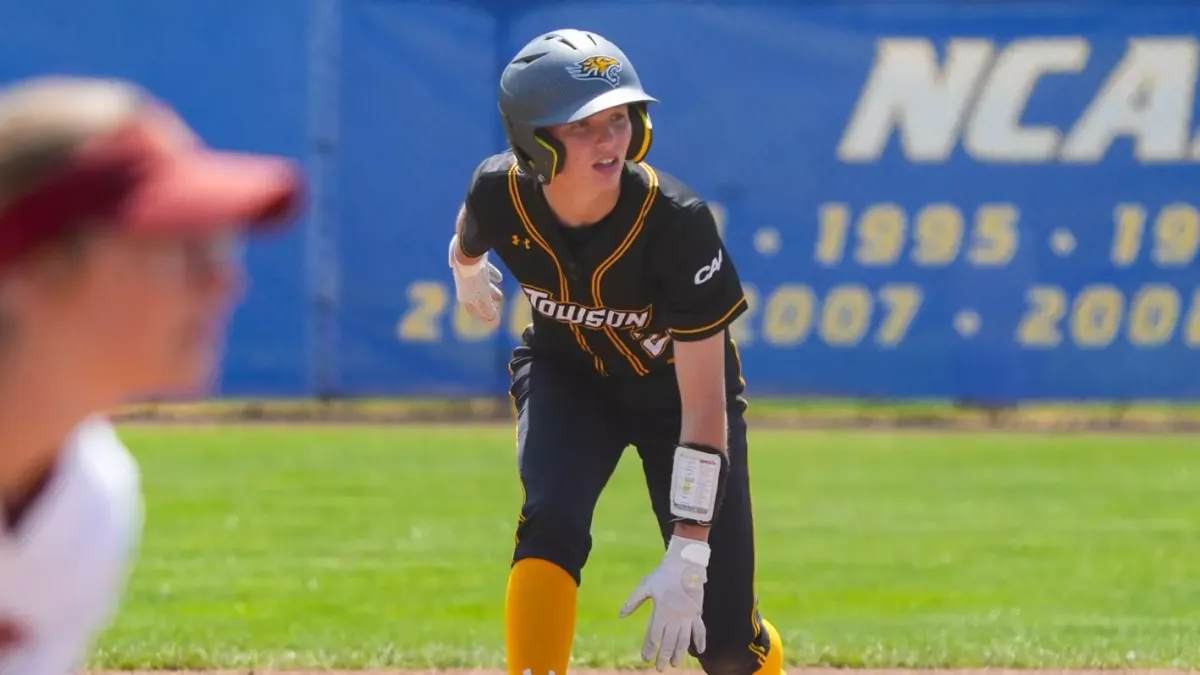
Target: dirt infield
593 671
790 671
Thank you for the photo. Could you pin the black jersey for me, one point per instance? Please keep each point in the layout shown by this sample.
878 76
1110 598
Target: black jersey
613 296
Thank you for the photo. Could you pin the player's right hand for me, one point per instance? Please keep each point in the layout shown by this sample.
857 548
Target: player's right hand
475 286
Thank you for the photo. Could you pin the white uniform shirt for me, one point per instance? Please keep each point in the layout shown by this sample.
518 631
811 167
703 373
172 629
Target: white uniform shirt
63 570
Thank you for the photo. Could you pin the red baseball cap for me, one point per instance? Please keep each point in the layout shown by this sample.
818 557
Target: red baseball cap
150 175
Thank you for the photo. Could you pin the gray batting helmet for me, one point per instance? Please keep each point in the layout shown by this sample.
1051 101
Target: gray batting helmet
564 76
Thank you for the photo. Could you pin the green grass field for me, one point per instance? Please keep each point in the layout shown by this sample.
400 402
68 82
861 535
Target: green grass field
389 546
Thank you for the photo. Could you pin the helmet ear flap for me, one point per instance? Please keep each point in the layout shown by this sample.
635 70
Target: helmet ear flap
523 159
641 132
556 154
536 150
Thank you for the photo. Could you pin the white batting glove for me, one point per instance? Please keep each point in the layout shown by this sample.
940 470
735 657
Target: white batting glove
677 589
475 286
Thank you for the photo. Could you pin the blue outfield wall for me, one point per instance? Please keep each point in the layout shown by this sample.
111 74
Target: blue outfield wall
991 201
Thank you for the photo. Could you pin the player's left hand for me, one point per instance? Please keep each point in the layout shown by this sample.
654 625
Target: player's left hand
677 589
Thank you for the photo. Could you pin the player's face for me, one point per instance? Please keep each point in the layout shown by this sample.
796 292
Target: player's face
144 314
596 147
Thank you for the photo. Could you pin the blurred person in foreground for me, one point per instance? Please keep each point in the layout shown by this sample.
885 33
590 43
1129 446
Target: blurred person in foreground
632 293
119 261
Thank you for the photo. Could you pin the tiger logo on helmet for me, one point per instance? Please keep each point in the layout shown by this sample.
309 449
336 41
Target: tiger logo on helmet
604 68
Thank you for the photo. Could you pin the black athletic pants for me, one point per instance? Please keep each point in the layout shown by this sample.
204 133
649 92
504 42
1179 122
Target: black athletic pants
572 428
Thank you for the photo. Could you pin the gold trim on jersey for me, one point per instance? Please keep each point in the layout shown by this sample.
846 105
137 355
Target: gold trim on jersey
692 331
651 193
515 194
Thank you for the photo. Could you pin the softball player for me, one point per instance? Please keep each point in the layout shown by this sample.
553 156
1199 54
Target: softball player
118 262
632 294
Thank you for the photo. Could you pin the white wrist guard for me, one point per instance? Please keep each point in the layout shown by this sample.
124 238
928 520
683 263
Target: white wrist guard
464 270
697 483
